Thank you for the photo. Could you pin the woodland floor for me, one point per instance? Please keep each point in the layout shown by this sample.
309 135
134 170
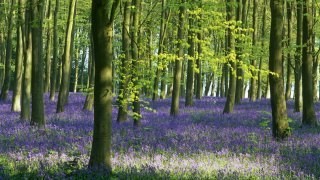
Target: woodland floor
201 143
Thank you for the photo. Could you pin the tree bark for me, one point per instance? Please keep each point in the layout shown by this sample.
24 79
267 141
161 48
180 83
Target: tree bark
191 62
48 50
103 14
298 59
174 110
125 65
66 59
37 113
253 81
27 70
16 99
7 73
278 104
53 80
228 108
308 113
135 58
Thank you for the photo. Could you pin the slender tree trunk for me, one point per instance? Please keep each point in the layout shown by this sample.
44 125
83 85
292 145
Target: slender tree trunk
174 110
55 53
198 74
37 113
7 74
163 82
103 14
183 79
228 108
308 113
16 99
88 104
289 69
253 81
76 69
209 83
66 59
48 50
125 65
239 83
135 58
191 62
314 54
263 36
278 104
298 59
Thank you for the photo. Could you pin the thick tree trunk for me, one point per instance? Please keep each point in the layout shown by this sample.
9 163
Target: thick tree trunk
66 59
174 110
103 14
37 114
308 113
27 70
278 104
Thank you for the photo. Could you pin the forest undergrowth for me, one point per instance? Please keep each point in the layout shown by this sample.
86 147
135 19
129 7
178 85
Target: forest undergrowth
200 143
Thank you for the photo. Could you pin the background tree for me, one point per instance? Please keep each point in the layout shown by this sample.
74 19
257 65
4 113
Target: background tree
228 108
7 69
16 102
125 64
174 110
65 81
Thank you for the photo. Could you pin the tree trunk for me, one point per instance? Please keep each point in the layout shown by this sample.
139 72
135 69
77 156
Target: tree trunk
289 69
7 74
298 59
48 50
239 84
253 81
191 60
308 113
88 104
135 58
103 14
174 110
66 59
16 99
278 104
37 113
125 65
263 36
27 70
76 69
228 108
55 53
